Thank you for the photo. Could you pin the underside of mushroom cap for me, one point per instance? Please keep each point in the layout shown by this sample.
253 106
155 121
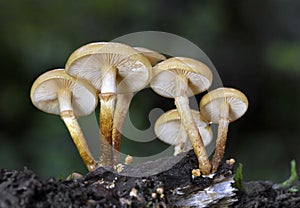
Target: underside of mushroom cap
166 72
44 93
170 130
92 61
210 104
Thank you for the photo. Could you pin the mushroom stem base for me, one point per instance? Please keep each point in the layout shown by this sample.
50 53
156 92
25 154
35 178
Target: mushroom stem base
78 138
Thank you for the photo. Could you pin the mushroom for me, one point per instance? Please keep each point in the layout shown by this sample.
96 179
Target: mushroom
222 105
169 129
124 99
56 92
179 78
111 68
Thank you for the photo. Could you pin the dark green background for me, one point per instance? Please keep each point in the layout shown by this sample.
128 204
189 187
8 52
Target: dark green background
254 45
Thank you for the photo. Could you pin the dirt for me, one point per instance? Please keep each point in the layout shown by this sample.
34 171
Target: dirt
171 187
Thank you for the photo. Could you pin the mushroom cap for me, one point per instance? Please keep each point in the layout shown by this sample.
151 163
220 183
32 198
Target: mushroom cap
91 62
169 129
153 56
44 93
166 72
210 104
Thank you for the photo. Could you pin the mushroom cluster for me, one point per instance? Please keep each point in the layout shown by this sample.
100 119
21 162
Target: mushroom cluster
112 72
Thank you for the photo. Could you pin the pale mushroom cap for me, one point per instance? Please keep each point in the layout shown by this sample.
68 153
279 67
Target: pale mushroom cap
153 56
91 61
170 130
44 92
165 73
210 104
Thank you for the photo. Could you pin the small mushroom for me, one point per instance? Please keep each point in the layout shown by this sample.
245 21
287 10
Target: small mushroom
180 78
56 92
221 106
123 102
170 130
112 68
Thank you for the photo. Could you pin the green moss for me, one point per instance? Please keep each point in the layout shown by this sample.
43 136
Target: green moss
292 182
238 178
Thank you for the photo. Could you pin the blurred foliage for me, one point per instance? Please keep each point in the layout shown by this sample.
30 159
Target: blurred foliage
284 56
255 46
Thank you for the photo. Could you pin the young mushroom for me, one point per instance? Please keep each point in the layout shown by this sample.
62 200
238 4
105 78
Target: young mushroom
221 106
170 130
111 68
56 92
123 102
180 78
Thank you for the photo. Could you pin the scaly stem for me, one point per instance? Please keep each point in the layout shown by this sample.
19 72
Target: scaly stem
222 136
182 104
67 115
106 120
107 101
122 106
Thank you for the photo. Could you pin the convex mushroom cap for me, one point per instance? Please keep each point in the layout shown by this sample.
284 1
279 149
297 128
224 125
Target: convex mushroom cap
95 60
166 74
45 90
211 102
170 130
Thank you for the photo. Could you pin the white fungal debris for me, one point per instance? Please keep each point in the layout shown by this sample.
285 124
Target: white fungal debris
128 160
119 168
133 193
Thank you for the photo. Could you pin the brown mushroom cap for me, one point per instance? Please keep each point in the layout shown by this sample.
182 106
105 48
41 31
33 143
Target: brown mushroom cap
210 104
170 130
91 62
44 93
166 72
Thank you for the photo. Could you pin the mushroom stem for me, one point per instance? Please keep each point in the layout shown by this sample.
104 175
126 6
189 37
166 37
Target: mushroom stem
67 115
122 106
222 136
106 118
182 104
64 97
107 98
78 138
